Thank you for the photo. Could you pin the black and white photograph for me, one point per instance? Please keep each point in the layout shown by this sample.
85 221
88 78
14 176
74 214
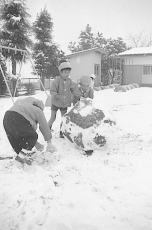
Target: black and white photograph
75 115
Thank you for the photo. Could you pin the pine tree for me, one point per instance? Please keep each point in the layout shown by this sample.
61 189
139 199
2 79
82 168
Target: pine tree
45 52
86 40
2 81
99 40
115 46
15 29
14 32
73 47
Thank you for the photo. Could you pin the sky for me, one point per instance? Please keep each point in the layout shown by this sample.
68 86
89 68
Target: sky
114 18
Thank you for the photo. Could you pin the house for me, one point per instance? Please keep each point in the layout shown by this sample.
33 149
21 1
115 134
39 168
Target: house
137 65
86 62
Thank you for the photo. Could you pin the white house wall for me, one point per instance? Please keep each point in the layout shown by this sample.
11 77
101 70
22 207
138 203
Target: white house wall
83 64
138 60
133 69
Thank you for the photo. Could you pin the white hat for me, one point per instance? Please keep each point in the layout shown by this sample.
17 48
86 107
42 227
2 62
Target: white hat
64 65
93 76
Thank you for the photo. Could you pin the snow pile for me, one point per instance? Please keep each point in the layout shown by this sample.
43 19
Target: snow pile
86 126
111 189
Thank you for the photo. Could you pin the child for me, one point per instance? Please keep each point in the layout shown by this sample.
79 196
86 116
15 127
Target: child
93 77
84 89
96 88
20 124
61 92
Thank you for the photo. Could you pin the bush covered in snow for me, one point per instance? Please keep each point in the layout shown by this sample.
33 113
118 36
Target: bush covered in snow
124 88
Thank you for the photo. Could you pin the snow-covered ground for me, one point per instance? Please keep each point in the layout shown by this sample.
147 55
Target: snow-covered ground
110 190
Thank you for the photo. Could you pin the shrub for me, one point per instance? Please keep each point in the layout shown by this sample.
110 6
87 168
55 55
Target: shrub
136 85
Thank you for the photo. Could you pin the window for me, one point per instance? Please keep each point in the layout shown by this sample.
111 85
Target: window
147 70
128 61
97 69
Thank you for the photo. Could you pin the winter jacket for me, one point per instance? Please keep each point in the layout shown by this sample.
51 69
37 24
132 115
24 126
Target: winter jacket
32 110
61 92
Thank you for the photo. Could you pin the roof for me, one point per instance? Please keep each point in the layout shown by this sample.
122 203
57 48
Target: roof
98 50
137 51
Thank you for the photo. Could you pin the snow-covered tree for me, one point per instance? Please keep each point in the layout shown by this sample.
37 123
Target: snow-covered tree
85 41
15 29
115 46
88 40
99 40
45 52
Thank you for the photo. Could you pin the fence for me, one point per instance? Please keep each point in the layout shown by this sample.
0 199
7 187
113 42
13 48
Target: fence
28 85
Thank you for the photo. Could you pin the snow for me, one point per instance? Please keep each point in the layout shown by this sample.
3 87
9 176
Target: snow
85 111
112 189
16 19
24 70
137 50
18 1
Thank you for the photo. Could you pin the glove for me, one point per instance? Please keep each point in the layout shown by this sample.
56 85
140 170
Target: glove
50 148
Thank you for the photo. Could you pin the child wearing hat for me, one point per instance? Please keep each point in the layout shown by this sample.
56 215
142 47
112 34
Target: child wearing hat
84 89
93 77
61 91
96 88
20 124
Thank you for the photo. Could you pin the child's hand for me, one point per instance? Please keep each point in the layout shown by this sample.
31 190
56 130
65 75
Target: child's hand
50 148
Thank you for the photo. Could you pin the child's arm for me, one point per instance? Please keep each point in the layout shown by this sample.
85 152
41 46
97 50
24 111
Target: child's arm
76 97
76 93
73 86
54 90
91 93
54 87
43 125
44 128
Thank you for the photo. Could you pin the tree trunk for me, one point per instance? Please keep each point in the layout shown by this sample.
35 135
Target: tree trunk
13 66
14 80
43 82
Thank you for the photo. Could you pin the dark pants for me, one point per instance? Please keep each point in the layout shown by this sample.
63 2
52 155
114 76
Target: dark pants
62 110
20 133
54 110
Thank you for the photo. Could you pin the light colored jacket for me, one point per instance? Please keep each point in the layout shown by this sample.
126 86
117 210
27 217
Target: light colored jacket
61 92
32 110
